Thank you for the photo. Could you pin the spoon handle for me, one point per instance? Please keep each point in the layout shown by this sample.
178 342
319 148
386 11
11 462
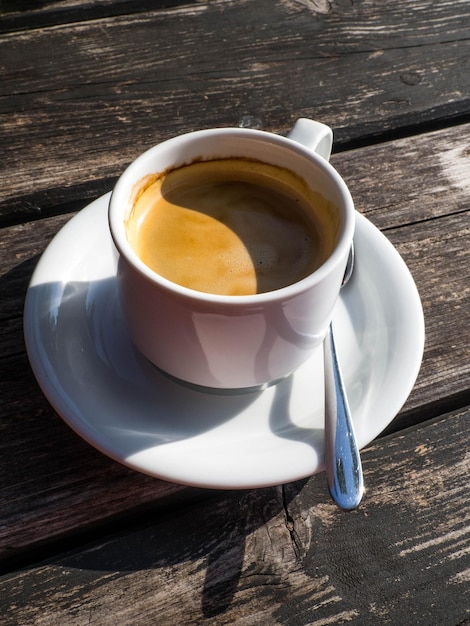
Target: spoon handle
342 459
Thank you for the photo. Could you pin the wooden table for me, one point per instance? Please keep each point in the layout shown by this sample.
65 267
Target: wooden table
85 87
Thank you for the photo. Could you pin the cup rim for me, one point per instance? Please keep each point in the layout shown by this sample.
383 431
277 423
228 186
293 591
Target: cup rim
123 188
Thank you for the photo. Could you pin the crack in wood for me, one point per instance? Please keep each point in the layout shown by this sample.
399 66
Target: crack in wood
290 525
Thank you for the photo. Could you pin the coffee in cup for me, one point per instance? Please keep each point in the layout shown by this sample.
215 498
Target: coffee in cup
231 226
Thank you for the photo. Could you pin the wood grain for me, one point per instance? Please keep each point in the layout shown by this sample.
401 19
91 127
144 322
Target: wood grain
95 93
282 556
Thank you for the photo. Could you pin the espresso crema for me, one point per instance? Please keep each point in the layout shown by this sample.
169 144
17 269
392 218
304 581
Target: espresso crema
231 226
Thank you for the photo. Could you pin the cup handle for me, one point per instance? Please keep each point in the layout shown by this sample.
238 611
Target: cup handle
313 135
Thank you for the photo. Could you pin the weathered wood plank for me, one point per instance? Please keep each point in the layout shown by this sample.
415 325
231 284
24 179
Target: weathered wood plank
443 278
363 68
29 14
414 179
282 556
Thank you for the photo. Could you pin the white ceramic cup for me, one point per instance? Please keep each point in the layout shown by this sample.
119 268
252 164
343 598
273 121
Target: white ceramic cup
222 341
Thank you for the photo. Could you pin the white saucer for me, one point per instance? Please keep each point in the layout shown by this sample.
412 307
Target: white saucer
82 356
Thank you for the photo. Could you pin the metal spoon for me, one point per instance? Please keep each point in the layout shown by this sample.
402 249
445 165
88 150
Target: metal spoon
342 459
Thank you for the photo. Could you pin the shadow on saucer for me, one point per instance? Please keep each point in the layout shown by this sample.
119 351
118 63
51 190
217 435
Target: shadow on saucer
95 378
91 373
